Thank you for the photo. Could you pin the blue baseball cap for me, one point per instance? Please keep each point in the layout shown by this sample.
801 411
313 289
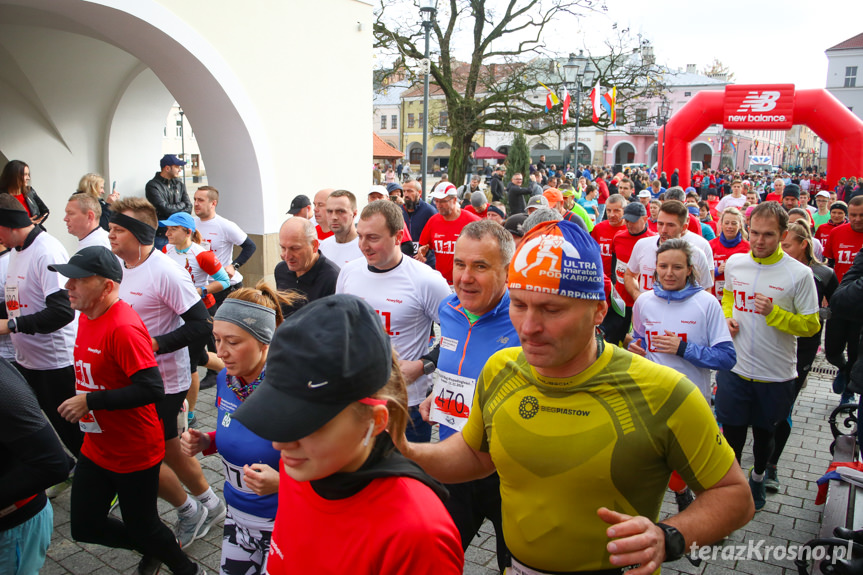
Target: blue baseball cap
179 219
171 160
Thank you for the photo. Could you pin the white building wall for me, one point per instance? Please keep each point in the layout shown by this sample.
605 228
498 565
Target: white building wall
837 62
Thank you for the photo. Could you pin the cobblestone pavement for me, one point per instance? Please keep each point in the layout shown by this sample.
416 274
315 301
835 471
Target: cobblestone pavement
790 516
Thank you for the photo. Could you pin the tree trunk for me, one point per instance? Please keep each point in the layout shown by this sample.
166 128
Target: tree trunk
459 157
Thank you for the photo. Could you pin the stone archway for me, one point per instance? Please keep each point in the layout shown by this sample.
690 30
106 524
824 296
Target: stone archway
702 152
624 153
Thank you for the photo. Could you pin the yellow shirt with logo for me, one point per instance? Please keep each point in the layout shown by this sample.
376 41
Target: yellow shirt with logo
566 447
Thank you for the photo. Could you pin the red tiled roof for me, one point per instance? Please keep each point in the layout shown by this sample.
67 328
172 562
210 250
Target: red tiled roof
381 149
849 44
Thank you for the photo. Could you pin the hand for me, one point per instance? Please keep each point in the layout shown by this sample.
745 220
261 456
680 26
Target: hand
193 442
261 478
230 270
668 343
636 540
425 408
412 370
733 326
74 408
721 268
156 343
421 254
112 197
635 347
763 304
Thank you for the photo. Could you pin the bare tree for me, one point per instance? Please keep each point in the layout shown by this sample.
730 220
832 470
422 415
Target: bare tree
497 88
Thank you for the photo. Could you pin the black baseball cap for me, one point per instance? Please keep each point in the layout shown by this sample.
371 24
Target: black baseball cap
298 203
633 211
515 224
91 261
329 354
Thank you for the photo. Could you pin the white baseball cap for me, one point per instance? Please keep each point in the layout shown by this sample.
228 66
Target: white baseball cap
822 194
644 194
443 190
379 190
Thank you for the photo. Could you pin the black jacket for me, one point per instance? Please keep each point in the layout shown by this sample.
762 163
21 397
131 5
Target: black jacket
497 189
516 197
168 196
35 204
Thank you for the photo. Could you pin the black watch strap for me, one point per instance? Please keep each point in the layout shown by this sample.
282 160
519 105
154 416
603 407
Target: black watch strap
428 366
675 544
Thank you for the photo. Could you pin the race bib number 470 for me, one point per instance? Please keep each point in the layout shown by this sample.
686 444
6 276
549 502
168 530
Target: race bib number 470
453 396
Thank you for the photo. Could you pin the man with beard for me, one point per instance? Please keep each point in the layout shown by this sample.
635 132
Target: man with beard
417 213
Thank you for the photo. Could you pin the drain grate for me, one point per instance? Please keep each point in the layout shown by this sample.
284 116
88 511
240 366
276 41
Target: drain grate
831 371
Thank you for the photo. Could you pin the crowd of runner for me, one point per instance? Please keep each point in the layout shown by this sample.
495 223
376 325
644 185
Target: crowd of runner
558 329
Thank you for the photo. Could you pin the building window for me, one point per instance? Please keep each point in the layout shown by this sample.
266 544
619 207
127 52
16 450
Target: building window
687 94
179 129
443 120
394 123
410 120
383 122
422 119
850 76
641 116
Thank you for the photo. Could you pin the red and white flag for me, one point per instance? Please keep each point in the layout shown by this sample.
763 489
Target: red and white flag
566 102
595 100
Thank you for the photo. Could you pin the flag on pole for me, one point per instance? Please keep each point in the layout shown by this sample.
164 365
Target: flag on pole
566 103
595 102
609 103
550 98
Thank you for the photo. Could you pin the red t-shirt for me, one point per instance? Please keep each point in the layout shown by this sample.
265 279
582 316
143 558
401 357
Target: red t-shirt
651 225
394 526
621 248
721 254
604 233
694 225
22 198
842 245
473 211
108 350
440 235
773 197
322 235
825 229
603 191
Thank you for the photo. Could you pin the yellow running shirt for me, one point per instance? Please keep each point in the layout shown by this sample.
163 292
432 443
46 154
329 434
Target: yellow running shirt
566 447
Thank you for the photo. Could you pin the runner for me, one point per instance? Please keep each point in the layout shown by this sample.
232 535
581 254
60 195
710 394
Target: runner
163 295
442 230
332 387
770 300
604 231
243 328
531 399
731 240
118 382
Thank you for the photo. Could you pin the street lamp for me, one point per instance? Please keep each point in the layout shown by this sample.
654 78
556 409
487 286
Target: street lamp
663 114
428 8
577 74
183 143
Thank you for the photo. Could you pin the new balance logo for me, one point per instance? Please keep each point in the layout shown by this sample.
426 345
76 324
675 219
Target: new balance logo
759 101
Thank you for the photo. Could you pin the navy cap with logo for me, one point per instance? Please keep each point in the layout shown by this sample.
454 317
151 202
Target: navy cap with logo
329 354
298 203
91 261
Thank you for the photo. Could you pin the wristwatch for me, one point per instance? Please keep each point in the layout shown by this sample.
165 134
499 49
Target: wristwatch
11 325
675 544
203 292
428 366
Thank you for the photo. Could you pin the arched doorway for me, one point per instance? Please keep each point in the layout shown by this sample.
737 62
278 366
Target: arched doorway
624 153
415 154
584 154
703 153
503 150
652 154
765 107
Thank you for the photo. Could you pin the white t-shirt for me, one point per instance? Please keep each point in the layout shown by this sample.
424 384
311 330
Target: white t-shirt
340 254
764 352
699 242
697 320
804 184
221 235
407 299
643 262
189 261
98 237
7 350
160 291
28 283
730 201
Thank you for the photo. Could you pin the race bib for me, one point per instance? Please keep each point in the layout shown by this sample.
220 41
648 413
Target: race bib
453 397
13 306
718 285
88 424
234 476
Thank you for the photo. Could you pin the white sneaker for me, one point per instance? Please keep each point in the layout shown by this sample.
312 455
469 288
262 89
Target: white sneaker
213 516
188 528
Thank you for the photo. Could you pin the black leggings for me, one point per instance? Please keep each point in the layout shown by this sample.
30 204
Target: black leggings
841 334
141 529
469 504
762 443
52 387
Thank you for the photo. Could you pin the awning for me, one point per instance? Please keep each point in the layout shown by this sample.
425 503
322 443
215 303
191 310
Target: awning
381 149
486 153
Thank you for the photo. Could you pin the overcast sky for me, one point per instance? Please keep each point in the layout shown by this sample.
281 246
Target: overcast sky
761 41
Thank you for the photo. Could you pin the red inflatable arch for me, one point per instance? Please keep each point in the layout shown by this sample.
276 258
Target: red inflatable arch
770 107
